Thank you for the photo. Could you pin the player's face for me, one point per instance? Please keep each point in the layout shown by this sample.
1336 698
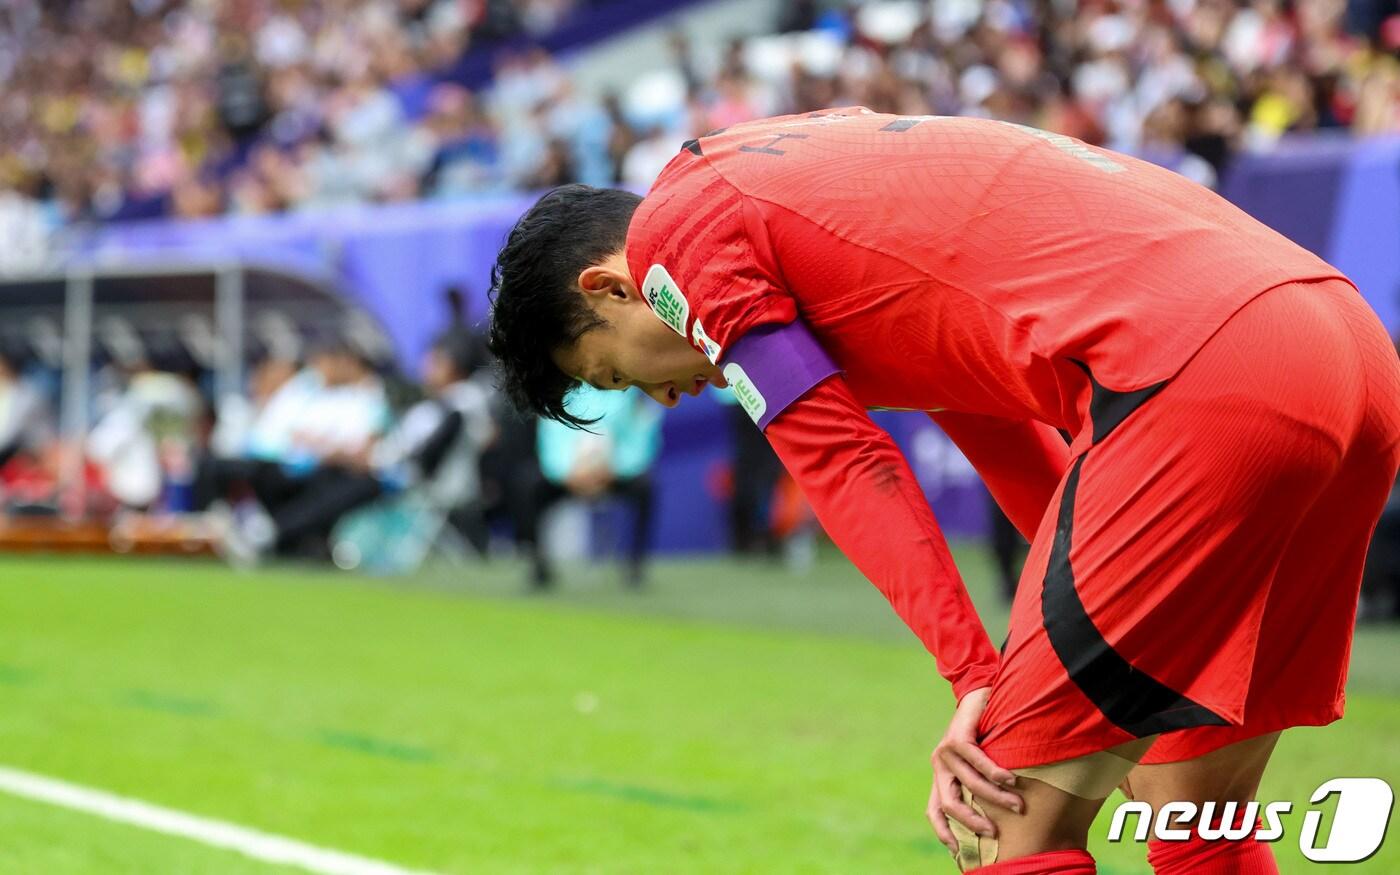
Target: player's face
632 347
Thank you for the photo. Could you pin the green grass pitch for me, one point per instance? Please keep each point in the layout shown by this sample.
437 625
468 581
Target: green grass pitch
732 719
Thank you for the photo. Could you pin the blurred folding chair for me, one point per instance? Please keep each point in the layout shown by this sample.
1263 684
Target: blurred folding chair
397 534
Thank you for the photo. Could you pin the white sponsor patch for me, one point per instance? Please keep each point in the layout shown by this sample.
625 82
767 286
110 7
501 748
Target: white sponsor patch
665 298
703 342
753 402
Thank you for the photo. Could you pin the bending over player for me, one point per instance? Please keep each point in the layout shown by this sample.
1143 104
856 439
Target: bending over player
1234 408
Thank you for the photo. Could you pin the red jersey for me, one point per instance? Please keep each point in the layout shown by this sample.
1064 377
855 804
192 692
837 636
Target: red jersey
973 267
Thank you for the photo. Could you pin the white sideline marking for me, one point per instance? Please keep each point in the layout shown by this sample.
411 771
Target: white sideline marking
220 834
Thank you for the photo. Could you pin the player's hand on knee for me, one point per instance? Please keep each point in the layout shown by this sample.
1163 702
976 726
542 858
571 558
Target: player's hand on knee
958 762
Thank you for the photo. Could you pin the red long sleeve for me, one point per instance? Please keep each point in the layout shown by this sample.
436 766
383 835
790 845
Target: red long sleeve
867 499
1021 463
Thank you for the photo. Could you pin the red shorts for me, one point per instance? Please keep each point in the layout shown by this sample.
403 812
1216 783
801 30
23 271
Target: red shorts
1197 572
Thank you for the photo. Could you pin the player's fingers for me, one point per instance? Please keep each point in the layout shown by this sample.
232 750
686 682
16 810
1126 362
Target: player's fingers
950 798
934 811
983 789
939 821
937 818
979 760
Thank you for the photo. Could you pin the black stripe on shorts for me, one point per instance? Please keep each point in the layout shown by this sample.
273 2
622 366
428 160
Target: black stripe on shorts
1133 700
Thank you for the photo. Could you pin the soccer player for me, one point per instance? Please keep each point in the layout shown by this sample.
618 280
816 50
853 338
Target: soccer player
1232 402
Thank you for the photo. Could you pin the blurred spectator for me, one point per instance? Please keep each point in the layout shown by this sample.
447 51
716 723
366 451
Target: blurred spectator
1380 583
754 475
1009 550
427 469
436 447
25 228
463 144
26 424
613 458
645 158
1380 586
259 425
340 421
148 420
306 459
510 470
1164 142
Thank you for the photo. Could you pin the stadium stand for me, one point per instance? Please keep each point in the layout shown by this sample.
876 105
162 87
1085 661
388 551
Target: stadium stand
118 110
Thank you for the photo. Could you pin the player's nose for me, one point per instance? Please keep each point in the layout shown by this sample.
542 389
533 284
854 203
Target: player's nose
665 394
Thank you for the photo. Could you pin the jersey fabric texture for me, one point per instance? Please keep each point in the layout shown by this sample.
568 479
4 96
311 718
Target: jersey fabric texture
1018 284
1196 576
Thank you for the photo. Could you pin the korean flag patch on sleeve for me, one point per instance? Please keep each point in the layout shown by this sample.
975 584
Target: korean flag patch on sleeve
701 341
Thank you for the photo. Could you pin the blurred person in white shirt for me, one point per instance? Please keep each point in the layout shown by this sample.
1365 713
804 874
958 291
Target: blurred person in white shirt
307 453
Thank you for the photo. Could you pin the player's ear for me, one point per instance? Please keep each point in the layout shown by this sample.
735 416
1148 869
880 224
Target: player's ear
607 279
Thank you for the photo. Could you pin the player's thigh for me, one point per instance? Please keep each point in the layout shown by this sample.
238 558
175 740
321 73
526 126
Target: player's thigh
1227 774
1061 801
1052 820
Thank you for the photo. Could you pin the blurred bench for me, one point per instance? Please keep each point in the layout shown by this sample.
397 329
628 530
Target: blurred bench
131 534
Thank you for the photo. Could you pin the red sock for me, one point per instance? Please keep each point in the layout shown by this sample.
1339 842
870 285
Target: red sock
1047 863
1198 856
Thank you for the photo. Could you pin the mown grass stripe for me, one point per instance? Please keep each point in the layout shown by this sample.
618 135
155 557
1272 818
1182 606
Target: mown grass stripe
648 795
167 704
15 676
380 747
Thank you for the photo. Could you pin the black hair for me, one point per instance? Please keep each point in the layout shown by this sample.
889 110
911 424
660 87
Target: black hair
462 344
14 353
536 308
456 298
459 346
332 344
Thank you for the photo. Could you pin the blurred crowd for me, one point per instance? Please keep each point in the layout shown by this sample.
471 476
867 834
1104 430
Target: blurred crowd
114 109
331 451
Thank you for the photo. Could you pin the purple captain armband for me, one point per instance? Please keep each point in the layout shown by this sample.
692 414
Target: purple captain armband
773 366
